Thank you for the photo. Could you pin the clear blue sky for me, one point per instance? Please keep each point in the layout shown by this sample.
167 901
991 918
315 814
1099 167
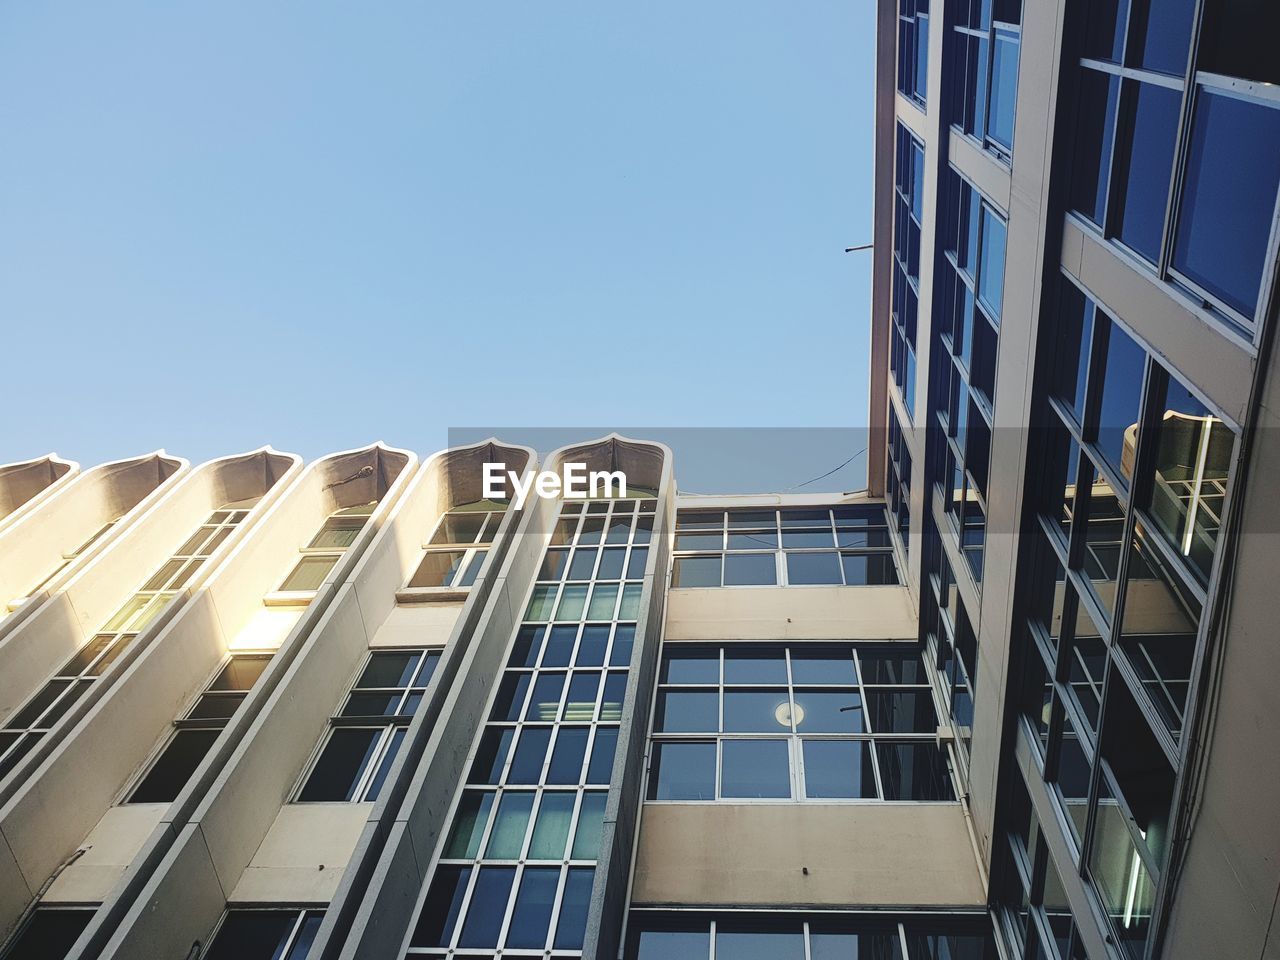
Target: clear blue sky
319 224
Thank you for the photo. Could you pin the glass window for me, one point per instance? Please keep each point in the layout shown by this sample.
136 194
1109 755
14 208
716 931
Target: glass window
755 769
1224 224
683 771
1235 40
1121 399
839 769
49 934
913 771
338 771
1161 34
750 569
174 767
696 571
531 918
265 935
1004 88
677 941
991 261
1095 127
756 941
1149 165
814 568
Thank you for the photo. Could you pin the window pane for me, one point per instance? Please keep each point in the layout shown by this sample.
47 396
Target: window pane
750 569
813 568
755 664
824 665
901 711
683 771
991 262
491 755
611 562
560 642
544 705
527 646
838 768
913 771
341 765
739 941
1004 89
755 768
572 922
1150 162
468 825
828 711
1121 397
682 664
586 837
509 700
253 935
869 941
892 667
1094 134
440 908
555 816
696 572
567 757
688 711
1162 34
174 767
604 598
1236 40
309 573
600 769
862 570
488 907
584 562
531 917
531 750
1127 889
337 533
573 600
1233 171
51 933
690 941
389 669
580 704
624 636
384 765
757 711
1193 457
438 568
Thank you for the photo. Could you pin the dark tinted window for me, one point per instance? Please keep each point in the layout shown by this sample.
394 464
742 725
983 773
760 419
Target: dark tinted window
49 934
165 780
341 765
1150 162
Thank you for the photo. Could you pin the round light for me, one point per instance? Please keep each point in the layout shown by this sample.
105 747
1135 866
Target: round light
782 713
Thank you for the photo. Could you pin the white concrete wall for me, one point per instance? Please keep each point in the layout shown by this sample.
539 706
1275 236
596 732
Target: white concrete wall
791 613
23 486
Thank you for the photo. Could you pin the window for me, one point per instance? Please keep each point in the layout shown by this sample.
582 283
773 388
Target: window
971 293
336 534
459 545
39 715
265 935
984 58
810 721
1137 115
898 481
517 861
370 727
196 733
908 207
691 935
953 644
49 934
1223 230
845 545
913 48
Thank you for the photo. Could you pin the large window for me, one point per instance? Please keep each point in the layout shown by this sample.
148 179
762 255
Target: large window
517 862
845 545
458 546
951 642
265 935
812 721
326 548
967 332
984 58
1136 116
38 716
1133 474
690 935
913 48
908 215
365 736
196 733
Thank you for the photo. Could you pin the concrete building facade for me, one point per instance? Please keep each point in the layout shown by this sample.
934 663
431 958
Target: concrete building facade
1010 701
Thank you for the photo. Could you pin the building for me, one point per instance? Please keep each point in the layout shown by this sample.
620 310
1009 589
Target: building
1012 700
1074 309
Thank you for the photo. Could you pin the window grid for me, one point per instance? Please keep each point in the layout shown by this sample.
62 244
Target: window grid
1116 593
1146 131
40 714
908 215
985 45
971 283
913 49
384 711
898 481
326 548
952 644
516 866
845 545
869 702
458 546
